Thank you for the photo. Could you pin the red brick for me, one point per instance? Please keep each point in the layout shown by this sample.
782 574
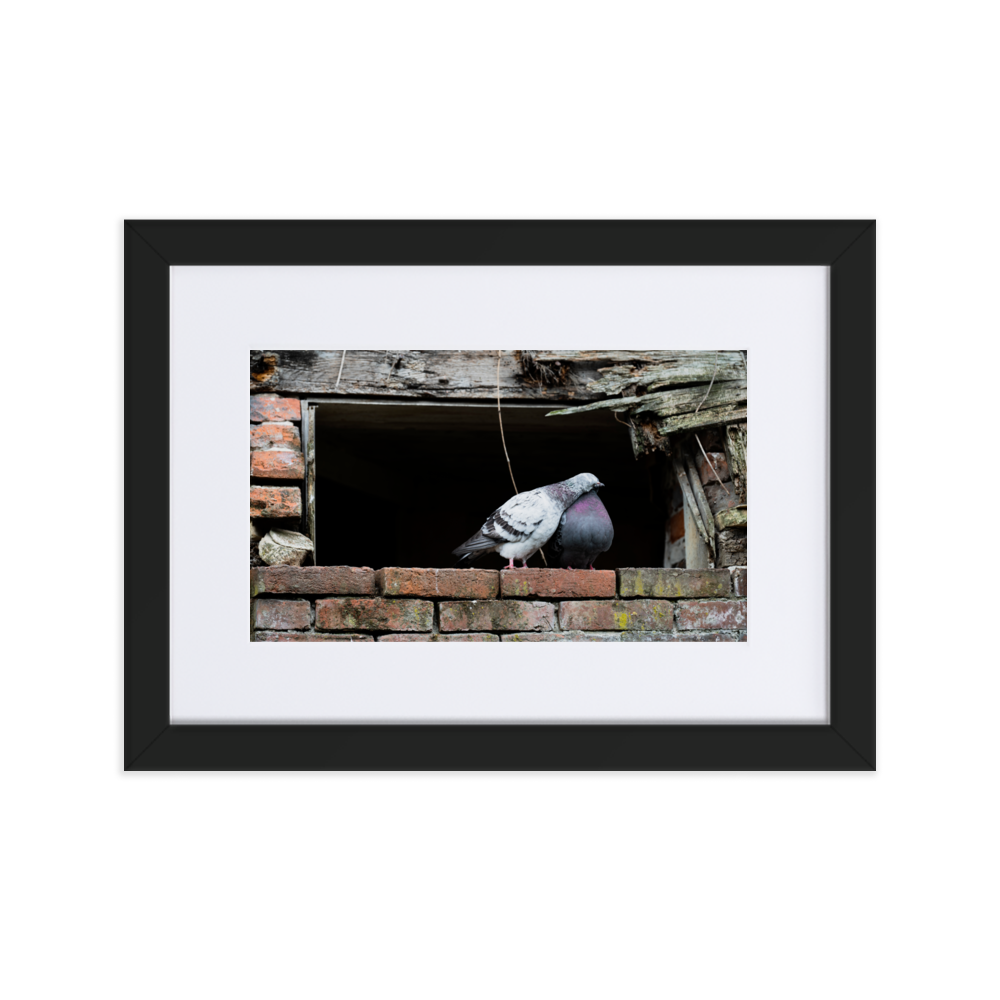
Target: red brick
616 616
740 582
677 525
424 637
557 582
721 467
281 614
275 501
561 637
712 614
283 436
267 406
496 616
359 580
655 581
277 464
374 614
473 584
309 637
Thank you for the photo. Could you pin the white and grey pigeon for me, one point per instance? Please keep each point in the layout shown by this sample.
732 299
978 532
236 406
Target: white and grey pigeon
584 532
521 526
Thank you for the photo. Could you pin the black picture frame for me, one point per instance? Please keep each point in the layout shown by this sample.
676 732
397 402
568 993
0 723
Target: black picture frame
846 743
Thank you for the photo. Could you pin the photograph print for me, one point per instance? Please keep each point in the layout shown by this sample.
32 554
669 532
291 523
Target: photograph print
498 496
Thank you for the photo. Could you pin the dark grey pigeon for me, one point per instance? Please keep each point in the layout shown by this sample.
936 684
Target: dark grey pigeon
584 532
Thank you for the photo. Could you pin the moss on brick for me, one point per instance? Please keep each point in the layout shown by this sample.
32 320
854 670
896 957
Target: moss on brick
622 616
655 581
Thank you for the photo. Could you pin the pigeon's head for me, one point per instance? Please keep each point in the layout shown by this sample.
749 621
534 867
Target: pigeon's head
583 483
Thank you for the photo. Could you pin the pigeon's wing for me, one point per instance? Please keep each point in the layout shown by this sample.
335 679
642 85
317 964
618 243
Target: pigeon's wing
518 518
512 522
523 517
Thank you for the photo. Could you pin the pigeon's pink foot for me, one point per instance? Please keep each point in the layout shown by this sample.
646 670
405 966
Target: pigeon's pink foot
569 567
510 565
591 565
524 564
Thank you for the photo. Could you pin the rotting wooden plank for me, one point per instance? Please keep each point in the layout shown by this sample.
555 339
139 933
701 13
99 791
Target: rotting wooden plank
678 401
733 518
695 550
703 418
668 402
446 375
735 440
683 367
619 404
311 477
703 508
670 358
690 502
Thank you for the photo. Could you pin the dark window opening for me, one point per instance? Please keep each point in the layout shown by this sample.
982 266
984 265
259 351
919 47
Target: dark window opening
402 484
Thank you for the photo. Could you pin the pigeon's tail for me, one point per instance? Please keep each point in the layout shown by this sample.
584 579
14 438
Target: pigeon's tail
474 548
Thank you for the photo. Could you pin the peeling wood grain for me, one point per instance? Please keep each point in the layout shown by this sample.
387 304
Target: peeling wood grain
666 358
691 504
695 549
735 440
703 508
419 374
679 401
703 418
261 367
618 405
669 402
682 367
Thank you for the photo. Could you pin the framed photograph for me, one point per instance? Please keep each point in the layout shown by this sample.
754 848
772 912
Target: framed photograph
498 478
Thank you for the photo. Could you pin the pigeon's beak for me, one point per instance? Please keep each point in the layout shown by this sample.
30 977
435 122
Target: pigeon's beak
599 486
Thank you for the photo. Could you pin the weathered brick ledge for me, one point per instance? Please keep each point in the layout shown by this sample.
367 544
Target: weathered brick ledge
358 604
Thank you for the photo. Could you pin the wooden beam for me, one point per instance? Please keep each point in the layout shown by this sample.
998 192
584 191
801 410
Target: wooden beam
668 402
667 358
450 375
695 549
680 401
690 506
705 417
702 501
735 440
679 368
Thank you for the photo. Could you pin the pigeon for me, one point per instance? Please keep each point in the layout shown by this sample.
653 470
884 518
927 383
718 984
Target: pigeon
584 532
519 528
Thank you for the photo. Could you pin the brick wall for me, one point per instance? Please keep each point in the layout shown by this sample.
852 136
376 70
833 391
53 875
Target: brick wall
354 603
277 465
